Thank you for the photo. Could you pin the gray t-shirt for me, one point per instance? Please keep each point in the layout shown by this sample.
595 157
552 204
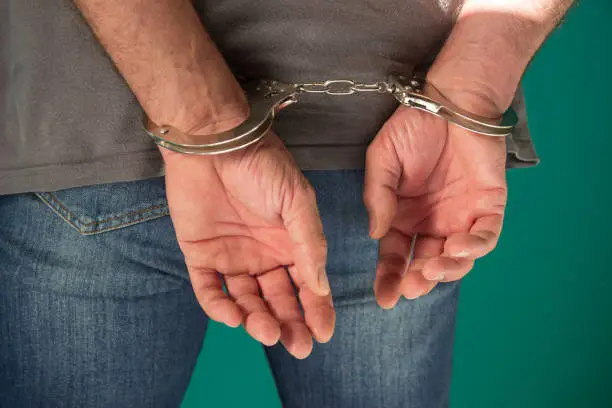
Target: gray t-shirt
67 118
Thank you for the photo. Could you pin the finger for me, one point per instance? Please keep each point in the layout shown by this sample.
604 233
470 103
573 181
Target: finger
481 239
393 253
382 177
282 302
319 312
414 284
305 229
446 269
258 322
208 288
395 276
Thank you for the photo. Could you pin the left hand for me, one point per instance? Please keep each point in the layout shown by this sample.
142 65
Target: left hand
446 184
248 220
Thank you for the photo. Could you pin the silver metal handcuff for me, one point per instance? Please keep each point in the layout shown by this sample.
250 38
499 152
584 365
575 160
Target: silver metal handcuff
266 98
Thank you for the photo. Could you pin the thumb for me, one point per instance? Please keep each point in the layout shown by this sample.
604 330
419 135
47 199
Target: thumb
301 218
382 175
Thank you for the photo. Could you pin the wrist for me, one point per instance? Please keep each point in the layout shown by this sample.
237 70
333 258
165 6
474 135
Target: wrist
201 108
469 94
483 83
170 62
484 58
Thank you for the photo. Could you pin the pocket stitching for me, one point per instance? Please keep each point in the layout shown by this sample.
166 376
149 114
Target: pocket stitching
116 217
68 217
125 224
82 227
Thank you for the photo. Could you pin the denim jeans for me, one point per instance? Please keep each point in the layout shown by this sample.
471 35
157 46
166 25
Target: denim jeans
96 308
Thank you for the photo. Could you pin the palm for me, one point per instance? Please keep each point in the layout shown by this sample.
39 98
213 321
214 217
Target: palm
250 218
448 187
467 177
231 222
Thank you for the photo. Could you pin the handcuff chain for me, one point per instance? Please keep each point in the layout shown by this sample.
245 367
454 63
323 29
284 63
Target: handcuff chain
343 87
269 97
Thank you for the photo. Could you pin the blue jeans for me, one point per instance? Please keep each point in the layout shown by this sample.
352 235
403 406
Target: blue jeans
96 308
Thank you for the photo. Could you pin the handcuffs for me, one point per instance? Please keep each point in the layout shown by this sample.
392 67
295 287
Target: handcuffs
266 98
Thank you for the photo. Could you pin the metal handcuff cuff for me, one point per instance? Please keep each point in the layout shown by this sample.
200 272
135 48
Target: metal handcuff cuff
266 98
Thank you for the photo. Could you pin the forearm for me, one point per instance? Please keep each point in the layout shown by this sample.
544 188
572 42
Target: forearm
484 58
168 60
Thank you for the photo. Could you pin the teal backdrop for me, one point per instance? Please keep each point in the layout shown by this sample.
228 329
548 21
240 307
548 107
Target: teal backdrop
535 318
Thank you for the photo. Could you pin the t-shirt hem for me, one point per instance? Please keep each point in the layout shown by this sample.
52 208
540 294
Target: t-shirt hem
149 164
123 167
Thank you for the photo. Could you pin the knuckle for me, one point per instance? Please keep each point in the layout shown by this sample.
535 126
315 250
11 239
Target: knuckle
392 261
308 191
319 245
375 149
367 197
251 302
492 247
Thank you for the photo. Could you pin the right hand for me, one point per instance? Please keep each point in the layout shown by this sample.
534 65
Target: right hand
249 219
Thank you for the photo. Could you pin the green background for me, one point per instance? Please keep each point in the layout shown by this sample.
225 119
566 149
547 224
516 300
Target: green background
535 318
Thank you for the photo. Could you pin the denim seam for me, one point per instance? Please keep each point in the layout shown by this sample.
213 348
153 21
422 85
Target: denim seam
125 224
63 212
66 217
116 217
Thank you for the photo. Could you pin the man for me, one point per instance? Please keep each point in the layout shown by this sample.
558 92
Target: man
109 314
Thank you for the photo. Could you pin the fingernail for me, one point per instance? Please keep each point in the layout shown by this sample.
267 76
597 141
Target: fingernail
462 254
323 281
437 277
418 295
233 325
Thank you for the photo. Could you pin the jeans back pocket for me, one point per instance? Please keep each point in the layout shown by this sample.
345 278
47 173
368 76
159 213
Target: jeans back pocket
106 207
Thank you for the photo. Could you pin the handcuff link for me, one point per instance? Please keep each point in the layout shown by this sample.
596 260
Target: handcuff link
266 98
